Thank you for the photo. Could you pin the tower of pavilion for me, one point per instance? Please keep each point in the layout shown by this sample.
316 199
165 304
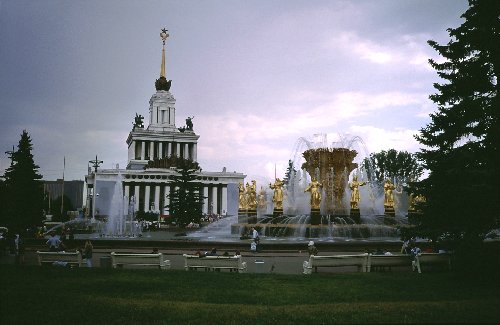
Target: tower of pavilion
149 188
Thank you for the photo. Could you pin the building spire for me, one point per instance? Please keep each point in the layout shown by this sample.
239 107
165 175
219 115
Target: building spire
164 34
162 83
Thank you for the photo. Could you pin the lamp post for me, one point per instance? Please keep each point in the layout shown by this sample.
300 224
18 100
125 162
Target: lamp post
95 163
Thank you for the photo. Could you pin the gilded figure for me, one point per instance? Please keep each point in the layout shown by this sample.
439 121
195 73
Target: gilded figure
251 195
315 189
354 186
242 203
278 193
388 194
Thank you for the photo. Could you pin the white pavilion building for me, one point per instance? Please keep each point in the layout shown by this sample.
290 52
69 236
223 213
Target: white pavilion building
149 188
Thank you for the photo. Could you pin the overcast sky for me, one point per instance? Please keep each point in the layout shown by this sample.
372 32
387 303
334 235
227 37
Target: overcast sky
257 75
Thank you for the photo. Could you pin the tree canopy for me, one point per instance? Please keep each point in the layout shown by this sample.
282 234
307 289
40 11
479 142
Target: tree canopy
393 164
463 138
24 201
186 198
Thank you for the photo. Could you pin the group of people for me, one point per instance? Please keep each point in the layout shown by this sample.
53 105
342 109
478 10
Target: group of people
213 252
15 245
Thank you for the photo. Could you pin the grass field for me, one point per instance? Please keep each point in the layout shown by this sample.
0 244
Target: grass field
41 295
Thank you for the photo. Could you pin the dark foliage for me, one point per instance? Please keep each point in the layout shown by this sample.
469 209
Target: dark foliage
186 198
22 205
393 164
463 140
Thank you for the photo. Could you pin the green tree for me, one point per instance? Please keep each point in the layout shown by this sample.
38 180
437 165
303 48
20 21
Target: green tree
186 200
463 138
290 172
24 192
393 164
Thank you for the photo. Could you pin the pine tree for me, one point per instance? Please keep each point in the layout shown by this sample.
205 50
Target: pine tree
186 200
24 192
393 164
463 139
290 172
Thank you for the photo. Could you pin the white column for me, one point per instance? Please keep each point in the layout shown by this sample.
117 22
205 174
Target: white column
178 149
143 150
214 200
151 150
172 115
169 149
126 191
146 198
186 151
205 200
160 149
195 155
167 200
131 151
224 200
137 192
157 198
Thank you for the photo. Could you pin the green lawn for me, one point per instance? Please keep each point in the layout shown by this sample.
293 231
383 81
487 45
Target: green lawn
33 294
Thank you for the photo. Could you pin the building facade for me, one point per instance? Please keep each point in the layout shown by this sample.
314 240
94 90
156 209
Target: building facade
72 189
148 189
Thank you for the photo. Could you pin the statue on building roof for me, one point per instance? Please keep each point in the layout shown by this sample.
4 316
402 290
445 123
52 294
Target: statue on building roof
189 123
138 121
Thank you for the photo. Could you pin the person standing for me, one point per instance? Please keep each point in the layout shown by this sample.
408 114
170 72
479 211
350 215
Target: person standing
311 249
255 234
87 253
253 246
19 249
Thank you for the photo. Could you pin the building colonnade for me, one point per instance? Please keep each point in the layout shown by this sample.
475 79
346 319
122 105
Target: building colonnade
150 150
154 197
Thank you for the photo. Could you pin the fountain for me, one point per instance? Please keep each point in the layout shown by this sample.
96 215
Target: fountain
331 166
317 201
119 222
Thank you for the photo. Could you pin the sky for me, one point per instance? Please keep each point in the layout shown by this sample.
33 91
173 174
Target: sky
258 76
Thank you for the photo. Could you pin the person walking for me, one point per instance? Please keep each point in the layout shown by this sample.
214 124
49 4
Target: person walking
87 253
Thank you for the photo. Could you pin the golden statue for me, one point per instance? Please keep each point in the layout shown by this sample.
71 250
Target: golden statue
242 203
415 200
314 188
251 195
354 186
388 195
278 193
262 200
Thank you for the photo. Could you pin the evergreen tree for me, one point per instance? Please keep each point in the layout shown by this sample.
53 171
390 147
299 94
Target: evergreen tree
186 200
290 172
24 193
392 164
463 139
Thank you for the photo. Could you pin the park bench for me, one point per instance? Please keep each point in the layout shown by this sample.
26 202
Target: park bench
431 259
213 263
71 259
139 260
359 260
383 261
